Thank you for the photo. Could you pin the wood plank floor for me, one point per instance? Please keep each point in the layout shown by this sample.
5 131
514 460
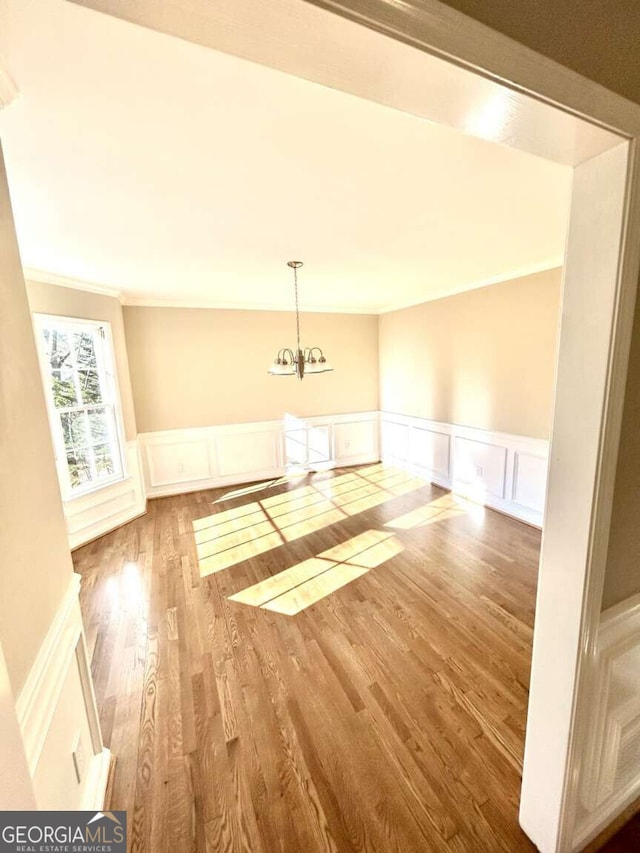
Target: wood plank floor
334 663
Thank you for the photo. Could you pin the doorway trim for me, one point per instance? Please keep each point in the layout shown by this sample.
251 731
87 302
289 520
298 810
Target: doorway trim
600 284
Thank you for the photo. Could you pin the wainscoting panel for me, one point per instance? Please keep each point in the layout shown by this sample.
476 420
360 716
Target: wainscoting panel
502 471
430 450
179 462
394 438
478 463
94 514
243 453
529 480
176 461
57 713
611 765
356 441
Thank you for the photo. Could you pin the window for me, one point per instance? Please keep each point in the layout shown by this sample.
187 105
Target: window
78 372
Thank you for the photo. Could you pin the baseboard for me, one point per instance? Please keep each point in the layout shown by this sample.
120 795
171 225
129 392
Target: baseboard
185 460
502 471
611 760
86 537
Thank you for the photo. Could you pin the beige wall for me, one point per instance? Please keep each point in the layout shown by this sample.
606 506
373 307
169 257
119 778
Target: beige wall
193 367
35 565
68 302
484 358
600 41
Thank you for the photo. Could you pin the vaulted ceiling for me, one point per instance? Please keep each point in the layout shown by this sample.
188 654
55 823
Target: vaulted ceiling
172 172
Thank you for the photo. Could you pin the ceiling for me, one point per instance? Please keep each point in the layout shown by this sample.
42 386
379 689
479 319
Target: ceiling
177 174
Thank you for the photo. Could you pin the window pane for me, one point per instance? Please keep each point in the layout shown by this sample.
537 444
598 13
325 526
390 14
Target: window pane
104 459
64 391
58 351
77 360
58 348
90 386
74 428
84 350
100 425
79 468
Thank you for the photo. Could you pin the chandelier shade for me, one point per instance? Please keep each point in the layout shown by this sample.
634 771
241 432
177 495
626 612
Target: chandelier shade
299 362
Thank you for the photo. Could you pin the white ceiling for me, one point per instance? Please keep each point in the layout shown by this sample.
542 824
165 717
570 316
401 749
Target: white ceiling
175 173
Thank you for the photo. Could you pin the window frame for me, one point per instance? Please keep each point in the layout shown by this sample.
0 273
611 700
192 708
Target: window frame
108 368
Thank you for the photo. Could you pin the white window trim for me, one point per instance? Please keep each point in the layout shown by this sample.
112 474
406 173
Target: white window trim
40 321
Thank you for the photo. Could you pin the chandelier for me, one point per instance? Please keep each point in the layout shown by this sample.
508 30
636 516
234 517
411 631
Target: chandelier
301 362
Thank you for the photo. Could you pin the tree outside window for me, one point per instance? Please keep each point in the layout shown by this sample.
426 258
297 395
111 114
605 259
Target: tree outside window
78 373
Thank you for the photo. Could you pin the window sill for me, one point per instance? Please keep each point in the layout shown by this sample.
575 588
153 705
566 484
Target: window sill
94 490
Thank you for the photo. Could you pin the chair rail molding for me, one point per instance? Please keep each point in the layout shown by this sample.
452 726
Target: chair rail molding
505 472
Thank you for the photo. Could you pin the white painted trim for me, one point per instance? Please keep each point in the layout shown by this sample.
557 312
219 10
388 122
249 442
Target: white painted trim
614 723
442 31
178 301
93 798
600 282
36 704
201 453
40 698
184 460
502 451
101 510
45 277
262 426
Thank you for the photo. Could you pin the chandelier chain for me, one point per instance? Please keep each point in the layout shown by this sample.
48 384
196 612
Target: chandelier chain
295 280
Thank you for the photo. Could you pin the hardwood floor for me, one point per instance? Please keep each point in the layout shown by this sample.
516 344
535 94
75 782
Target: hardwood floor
337 663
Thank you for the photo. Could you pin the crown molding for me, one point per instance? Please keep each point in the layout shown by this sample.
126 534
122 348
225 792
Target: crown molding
173 301
44 277
178 302
8 89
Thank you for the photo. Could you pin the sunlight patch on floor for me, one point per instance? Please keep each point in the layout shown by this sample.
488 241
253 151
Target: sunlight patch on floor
309 593
294 589
437 510
226 538
232 556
